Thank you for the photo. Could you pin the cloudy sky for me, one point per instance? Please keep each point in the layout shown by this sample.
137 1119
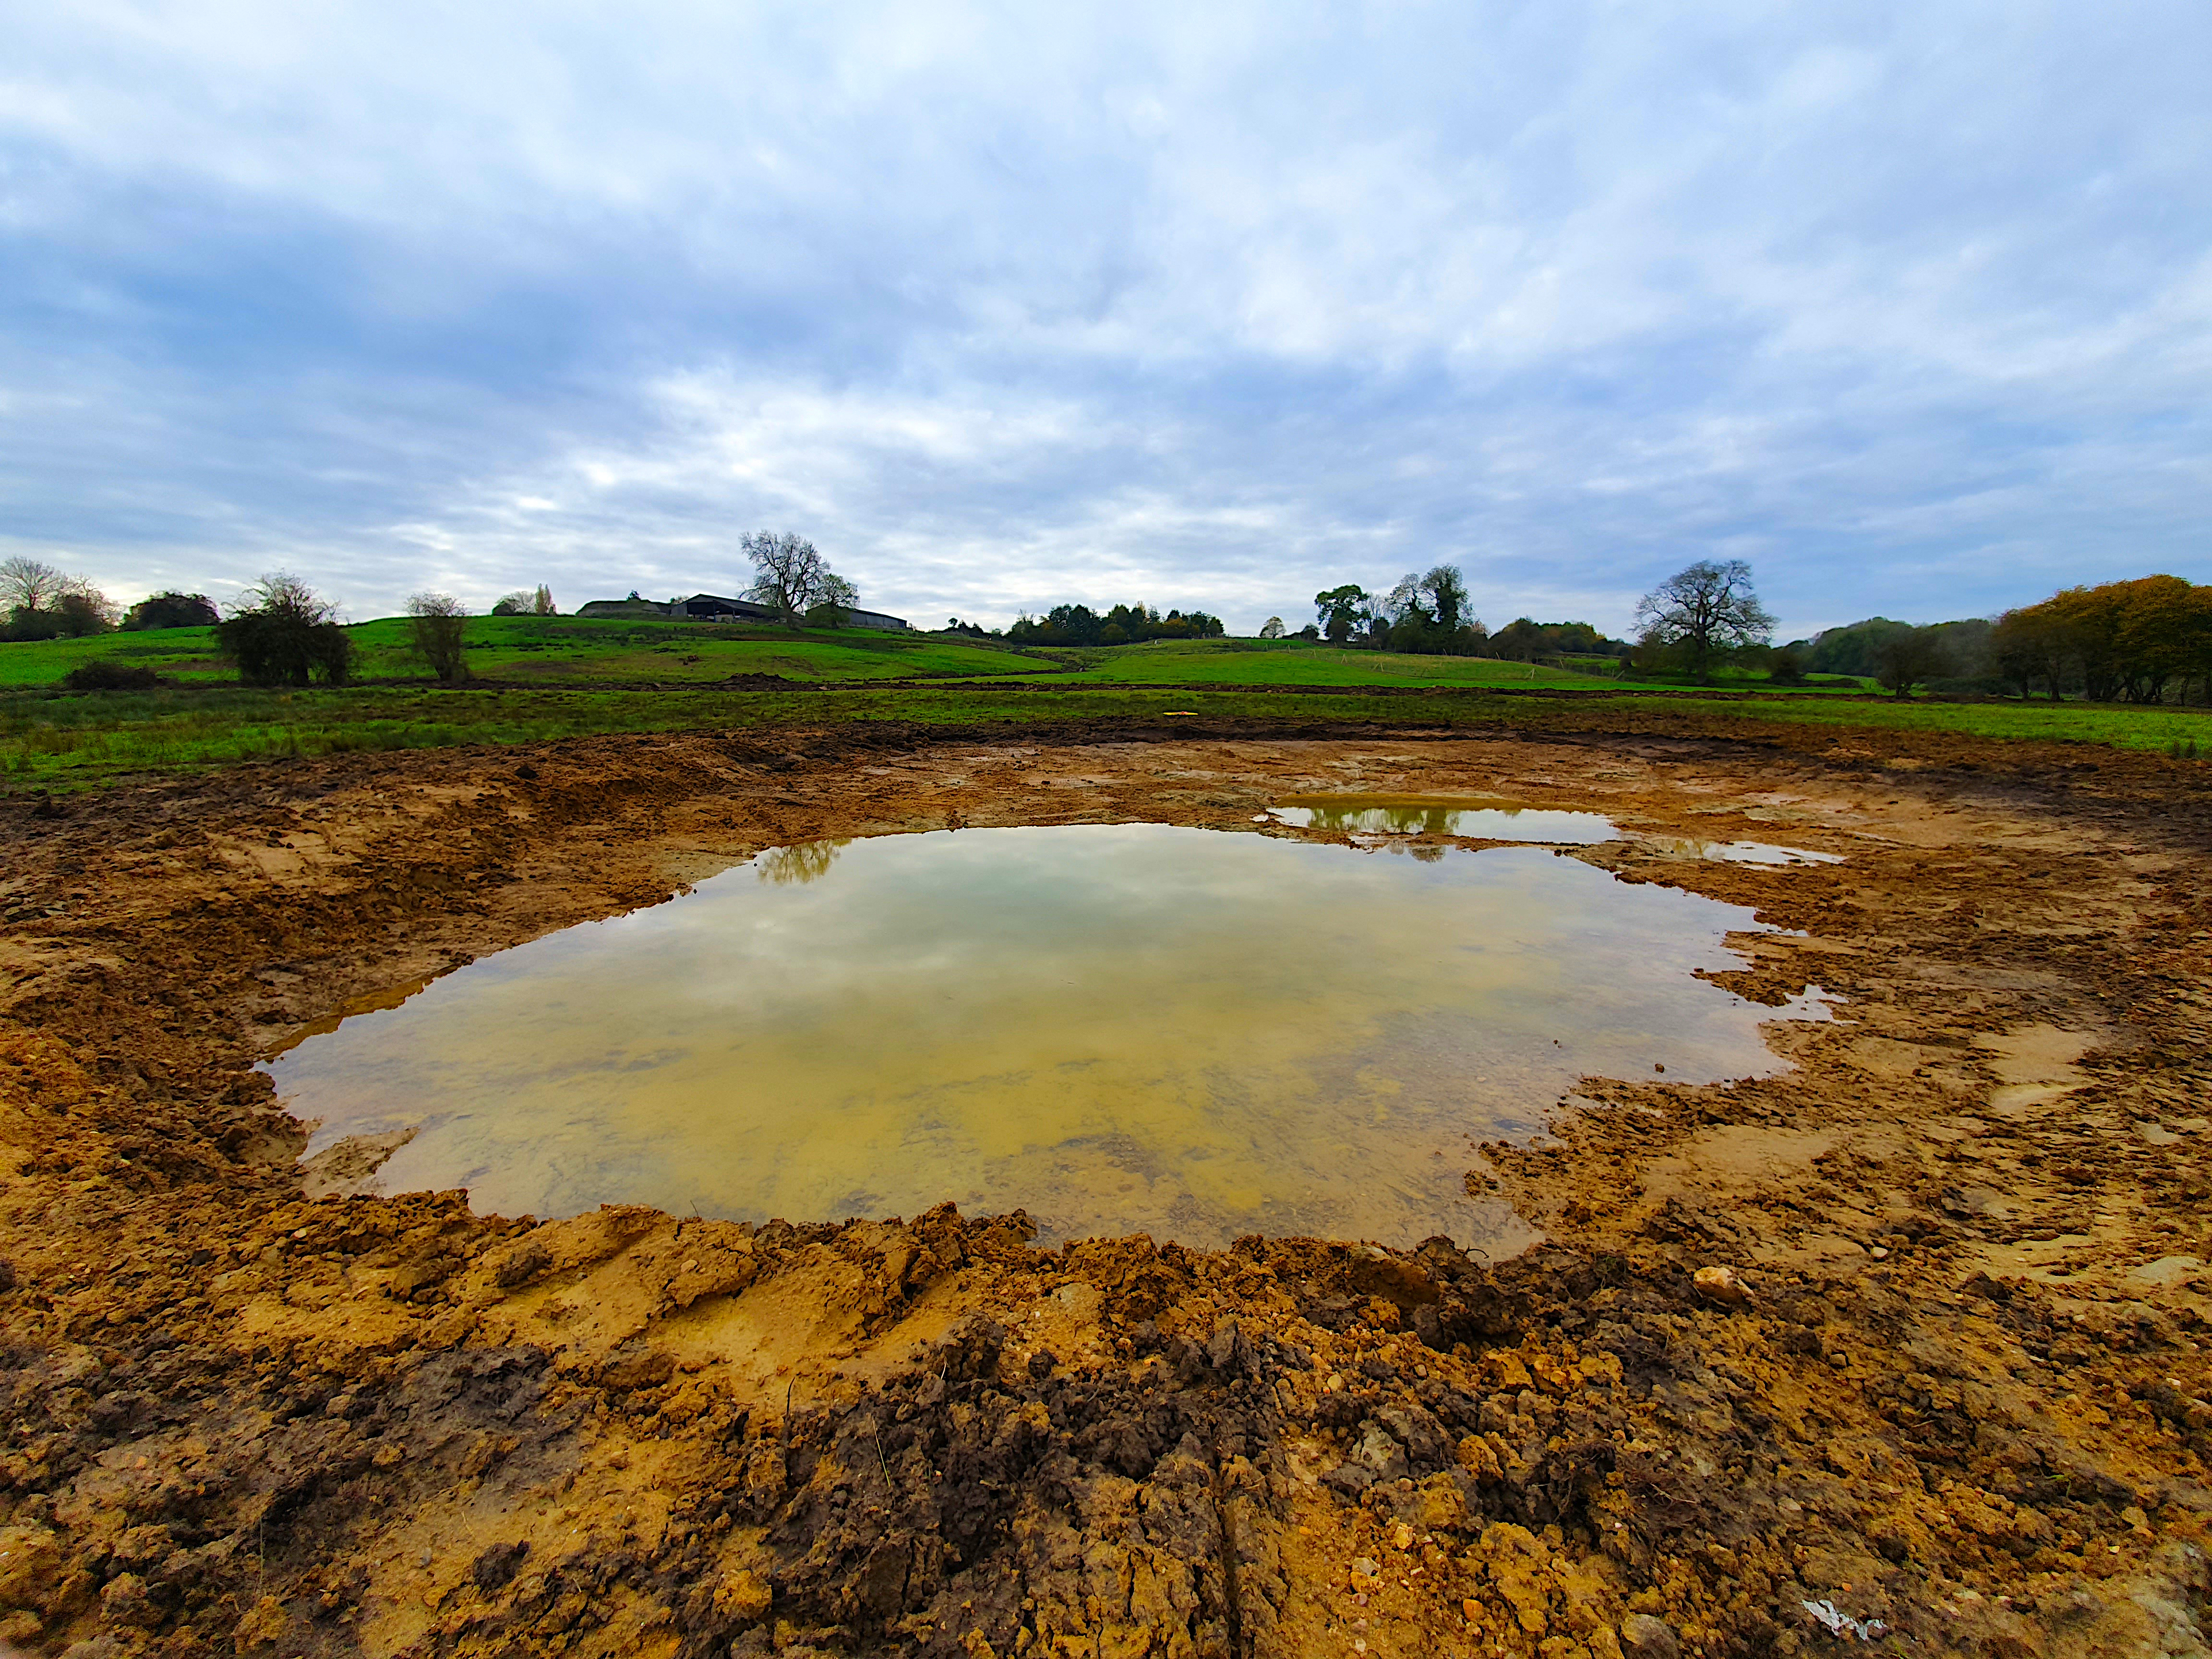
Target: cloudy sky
1909 304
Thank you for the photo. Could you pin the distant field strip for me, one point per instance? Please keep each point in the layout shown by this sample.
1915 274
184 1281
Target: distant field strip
2120 726
563 649
72 740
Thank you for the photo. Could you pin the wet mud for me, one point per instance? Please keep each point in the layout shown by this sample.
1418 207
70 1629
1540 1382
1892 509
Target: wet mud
1903 1346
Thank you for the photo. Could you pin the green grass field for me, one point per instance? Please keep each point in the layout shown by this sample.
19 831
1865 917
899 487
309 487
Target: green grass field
2118 726
1276 662
1295 662
563 649
73 740
565 677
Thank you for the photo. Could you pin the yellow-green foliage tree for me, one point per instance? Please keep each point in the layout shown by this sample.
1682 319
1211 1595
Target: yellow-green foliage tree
2131 641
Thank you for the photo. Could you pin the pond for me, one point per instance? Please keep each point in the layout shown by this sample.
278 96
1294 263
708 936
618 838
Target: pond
1118 1028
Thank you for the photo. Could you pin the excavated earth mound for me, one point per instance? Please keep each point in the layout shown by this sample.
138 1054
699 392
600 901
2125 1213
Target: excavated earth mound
1902 1344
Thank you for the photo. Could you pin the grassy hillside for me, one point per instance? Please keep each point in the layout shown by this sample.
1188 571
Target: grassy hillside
1295 662
1279 662
551 649
587 651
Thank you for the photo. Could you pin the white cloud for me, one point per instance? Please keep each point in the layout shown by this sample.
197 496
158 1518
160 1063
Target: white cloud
1004 305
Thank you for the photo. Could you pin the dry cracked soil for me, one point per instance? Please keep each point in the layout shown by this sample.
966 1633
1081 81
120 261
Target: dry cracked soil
1902 1347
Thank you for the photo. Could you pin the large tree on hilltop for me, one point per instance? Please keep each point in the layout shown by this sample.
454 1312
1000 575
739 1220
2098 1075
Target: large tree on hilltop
789 573
1705 609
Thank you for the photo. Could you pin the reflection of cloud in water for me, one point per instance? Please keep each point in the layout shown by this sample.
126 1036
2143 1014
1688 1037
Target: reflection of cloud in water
802 861
1733 851
1127 1028
1386 815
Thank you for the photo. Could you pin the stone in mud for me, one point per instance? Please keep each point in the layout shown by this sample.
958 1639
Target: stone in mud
1380 1454
1419 1433
1348 1480
1226 1350
1721 1287
1965 1201
1642 1637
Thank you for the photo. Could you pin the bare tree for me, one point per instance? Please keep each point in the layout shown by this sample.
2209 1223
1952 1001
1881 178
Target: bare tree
440 624
1706 609
788 573
40 602
27 585
1272 628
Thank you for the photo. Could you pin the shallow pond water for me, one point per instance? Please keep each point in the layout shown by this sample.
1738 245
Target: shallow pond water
1734 851
1429 815
1118 1028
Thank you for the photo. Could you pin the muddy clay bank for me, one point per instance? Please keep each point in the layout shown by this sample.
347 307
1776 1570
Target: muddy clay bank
1899 1346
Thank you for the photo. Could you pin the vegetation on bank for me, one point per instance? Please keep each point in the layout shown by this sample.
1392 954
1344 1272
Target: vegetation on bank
92 701
1292 661
56 740
552 649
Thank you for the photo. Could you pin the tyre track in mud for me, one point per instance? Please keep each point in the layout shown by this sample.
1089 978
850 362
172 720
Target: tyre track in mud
246 1421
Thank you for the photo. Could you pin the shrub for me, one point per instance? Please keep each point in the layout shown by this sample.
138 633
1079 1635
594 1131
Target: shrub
290 636
174 610
106 674
439 624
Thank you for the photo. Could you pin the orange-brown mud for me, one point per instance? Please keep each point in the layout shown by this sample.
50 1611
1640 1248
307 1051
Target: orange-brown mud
1957 1383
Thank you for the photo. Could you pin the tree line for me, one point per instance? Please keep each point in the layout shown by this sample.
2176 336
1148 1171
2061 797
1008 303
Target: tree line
42 603
2144 640
281 632
1079 624
2127 641
1431 613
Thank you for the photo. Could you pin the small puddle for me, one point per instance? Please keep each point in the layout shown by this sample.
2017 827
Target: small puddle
1427 815
1118 1028
1734 852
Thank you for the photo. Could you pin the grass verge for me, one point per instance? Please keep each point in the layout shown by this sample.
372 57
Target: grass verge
66 741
